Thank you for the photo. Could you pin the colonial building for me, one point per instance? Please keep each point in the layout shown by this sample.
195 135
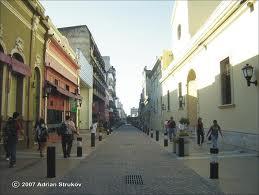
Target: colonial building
212 42
155 99
144 109
61 79
23 27
111 82
80 37
86 91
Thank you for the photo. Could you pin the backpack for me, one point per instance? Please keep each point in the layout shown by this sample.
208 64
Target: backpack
63 129
43 132
10 128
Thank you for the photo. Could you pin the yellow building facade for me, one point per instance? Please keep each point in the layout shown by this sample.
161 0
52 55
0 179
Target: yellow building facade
22 32
212 42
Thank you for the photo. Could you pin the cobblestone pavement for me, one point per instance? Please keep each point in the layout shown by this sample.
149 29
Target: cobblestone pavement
129 152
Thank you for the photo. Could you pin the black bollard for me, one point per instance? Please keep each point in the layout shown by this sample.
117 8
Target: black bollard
152 135
79 147
165 140
214 165
181 147
51 162
157 135
92 139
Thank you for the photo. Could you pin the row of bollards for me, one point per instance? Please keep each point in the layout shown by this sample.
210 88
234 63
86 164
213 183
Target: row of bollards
214 165
51 154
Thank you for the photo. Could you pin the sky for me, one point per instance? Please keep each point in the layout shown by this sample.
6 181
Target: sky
132 33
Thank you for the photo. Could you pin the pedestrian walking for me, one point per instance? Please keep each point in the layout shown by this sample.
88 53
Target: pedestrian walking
5 138
14 127
94 127
213 133
68 130
200 132
36 126
166 126
171 128
42 135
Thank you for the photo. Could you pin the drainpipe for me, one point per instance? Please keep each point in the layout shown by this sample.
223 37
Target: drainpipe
46 38
29 112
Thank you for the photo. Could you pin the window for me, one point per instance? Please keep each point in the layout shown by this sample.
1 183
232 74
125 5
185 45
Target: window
168 100
179 31
225 81
180 95
67 87
56 82
157 105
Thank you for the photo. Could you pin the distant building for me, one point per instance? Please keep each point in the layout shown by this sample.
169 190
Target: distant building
86 91
134 112
81 37
111 90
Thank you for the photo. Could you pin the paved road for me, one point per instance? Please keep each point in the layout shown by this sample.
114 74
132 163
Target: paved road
130 152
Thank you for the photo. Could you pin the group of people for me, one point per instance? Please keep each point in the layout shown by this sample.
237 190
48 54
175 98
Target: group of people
100 127
212 134
67 130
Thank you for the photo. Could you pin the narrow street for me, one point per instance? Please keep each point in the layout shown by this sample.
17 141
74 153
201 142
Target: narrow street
129 152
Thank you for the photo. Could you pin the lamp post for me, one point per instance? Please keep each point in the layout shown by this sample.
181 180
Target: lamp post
248 71
48 90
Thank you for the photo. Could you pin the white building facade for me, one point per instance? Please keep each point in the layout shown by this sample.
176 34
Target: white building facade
86 92
212 42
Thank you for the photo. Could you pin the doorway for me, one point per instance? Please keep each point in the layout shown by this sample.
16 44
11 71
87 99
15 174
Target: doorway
192 101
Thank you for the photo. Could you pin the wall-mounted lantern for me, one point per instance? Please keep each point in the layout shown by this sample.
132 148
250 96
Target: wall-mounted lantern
48 90
248 72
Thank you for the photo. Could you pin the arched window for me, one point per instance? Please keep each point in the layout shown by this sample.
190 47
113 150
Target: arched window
18 57
179 31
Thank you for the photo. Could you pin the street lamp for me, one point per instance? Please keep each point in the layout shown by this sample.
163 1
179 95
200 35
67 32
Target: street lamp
248 71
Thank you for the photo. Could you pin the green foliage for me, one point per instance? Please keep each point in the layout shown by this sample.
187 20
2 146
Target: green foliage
184 121
183 133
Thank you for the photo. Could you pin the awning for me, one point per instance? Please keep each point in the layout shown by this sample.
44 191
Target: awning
65 92
16 65
5 58
20 67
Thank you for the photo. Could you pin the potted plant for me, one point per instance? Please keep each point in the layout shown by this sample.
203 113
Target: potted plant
184 123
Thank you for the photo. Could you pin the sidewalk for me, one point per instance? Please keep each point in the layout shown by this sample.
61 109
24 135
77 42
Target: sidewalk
32 168
238 167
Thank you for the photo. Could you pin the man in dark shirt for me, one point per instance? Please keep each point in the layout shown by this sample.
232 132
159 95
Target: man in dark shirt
171 128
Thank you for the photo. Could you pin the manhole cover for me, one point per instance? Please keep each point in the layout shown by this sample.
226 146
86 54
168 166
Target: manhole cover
134 179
